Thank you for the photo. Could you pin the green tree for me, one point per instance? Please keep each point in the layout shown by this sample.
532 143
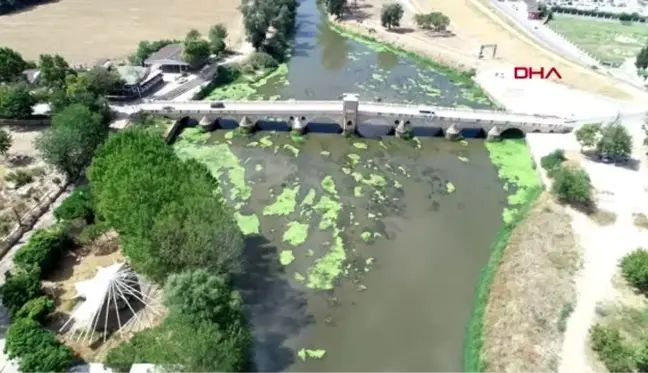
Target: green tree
615 142
11 65
53 71
439 21
37 309
19 289
71 141
285 21
641 62
217 36
588 134
42 251
634 267
16 102
641 357
5 142
573 187
205 296
390 15
102 81
195 49
77 205
256 22
336 7
36 348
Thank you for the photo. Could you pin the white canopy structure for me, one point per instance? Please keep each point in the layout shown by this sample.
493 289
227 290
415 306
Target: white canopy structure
116 298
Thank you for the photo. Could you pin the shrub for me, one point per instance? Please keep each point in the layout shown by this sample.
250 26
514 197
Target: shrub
260 61
42 251
19 289
36 347
20 177
573 187
607 343
634 268
553 161
77 205
37 309
92 232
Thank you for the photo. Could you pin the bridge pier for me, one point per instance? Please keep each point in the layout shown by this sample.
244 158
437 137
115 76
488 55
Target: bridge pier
246 125
205 124
350 110
453 133
494 134
402 128
297 127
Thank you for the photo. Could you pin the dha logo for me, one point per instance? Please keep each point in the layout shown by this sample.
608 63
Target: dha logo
522 72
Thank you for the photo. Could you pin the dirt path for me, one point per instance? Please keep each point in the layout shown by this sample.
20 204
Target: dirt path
84 31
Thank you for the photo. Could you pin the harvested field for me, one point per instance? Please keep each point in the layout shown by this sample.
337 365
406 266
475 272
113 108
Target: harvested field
612 42
533 293
85 31
25 179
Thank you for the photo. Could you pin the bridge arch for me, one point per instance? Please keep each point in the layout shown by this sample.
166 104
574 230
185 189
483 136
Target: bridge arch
269 123
375 127
512 133
323 125
226 123
473 133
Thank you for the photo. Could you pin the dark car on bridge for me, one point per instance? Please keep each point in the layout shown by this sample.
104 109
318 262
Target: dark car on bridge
217 105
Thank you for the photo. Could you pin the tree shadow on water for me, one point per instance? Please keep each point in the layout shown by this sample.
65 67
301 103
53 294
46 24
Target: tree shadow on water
275 309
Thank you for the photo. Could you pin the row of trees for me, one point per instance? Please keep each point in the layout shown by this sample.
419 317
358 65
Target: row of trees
611 141
177 232
269 25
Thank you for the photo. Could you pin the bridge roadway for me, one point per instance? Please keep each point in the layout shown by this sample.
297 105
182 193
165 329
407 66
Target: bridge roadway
351 111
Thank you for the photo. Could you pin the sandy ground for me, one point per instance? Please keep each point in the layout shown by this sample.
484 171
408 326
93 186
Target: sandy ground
84 31
618 190
474 23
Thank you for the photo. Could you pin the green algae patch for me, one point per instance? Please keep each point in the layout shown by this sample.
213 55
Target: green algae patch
397 184
450 187
265 142
309 199
463 142
325 153
258 167
285 203
305 353
463 159
357 191
360 145
329 185
299 277
516 168
286 257
296 233
354 158
219 159
366 236
327 268
229 135
291 149
330 210
249 224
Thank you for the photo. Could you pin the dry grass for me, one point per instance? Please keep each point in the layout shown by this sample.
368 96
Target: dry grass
85 31
532 293
603 217
640 221
79 265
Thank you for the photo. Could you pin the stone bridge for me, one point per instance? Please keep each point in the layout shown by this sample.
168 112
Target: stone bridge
351 114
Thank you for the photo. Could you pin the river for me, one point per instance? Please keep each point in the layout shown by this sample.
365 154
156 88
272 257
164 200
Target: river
361 254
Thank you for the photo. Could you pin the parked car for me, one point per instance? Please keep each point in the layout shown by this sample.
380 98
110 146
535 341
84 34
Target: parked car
217 105
425 112
168 108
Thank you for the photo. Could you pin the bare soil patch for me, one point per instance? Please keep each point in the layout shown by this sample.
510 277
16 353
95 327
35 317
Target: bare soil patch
532 293
85 31
25 179
603 217
79 265
640 221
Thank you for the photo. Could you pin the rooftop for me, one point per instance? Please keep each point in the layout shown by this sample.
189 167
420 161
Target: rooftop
132 74
167 55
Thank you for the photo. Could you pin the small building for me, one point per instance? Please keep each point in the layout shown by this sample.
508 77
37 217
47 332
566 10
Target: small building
169 58
533 10
138 81
32 75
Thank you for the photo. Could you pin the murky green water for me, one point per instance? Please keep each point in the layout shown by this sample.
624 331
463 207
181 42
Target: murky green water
362 255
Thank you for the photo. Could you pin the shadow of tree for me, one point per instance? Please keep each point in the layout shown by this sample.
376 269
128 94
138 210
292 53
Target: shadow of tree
275 309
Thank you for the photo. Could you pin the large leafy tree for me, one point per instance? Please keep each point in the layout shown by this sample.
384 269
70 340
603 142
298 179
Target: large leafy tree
16 101
195 49
70 143
588 134
615 142
217 36
54 70
391 14
11 65
573 187
205 296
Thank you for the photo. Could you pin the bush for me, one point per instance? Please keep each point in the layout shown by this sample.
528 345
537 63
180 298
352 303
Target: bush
607 343
573 187
36 348
37 309
20 177
634 267
42 251
553 161
261 60
77 205
19 289
92 232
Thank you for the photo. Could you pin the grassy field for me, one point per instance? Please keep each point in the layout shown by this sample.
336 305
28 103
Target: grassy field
612 42
85 31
